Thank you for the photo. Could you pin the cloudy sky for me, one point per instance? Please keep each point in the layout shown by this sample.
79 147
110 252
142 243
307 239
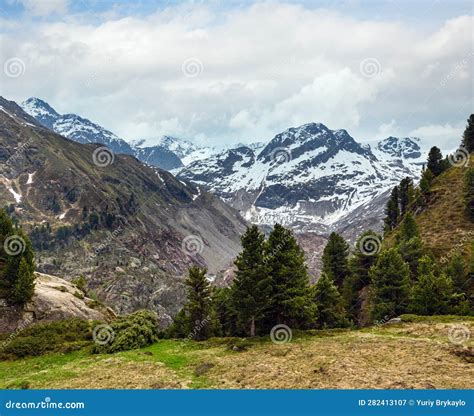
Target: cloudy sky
228 71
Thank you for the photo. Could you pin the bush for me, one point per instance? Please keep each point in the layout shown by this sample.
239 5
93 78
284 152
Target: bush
136 330
60 336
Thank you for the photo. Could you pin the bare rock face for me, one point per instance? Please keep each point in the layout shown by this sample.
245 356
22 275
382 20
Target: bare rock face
54 299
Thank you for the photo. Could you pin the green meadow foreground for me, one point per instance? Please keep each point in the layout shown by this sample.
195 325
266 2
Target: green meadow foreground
417 353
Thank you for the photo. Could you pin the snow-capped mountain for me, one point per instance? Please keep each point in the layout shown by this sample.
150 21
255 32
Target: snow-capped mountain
83 131
309 177
74 127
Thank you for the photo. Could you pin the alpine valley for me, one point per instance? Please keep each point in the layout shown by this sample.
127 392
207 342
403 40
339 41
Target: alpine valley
129 220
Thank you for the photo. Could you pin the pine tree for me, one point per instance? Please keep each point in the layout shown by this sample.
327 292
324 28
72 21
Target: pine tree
362 259
329 303
468 136
435 161
335 258
290 295
409 228
198 306
433 293
225 311
391 285
16 286
456 270
24 287
406 194
251 286
426 180
180 328
411 251
392 211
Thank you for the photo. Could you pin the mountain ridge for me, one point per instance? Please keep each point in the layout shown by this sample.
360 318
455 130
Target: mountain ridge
119 216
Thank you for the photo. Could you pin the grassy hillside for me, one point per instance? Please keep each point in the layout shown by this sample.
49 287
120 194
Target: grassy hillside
416 353
443 223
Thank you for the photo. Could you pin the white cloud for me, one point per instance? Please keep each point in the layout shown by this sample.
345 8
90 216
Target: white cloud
447 137
264 68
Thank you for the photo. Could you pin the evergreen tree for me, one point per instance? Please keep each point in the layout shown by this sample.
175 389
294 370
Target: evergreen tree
435 161
433 294
225 311
456 270
289 298
409 228
251 286
406 194
410 245
24 287
335 258
16 284
180 328
412 250
469 192
360 262
468 136
329 303
426 180
391 285
392 211
198 306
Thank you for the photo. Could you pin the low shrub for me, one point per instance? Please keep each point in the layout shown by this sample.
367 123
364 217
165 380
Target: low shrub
60 336
136 330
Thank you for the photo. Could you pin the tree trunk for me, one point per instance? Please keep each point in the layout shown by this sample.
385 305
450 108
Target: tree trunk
252 327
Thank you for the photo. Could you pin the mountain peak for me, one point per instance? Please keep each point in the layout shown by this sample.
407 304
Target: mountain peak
41 111
400 147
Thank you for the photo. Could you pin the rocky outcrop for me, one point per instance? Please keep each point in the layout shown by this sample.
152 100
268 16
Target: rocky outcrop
55 299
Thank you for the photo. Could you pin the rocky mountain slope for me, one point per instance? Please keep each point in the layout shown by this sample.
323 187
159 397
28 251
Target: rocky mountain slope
310 178
135 229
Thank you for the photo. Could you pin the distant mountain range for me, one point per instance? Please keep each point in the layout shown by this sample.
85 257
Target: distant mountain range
85 131
310 178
